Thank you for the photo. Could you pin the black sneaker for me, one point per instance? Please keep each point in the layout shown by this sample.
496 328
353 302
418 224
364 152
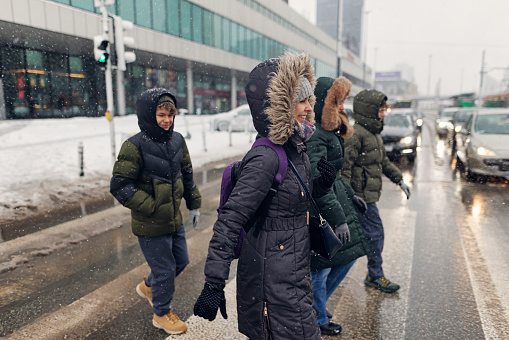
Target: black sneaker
329 315
382 283
330 328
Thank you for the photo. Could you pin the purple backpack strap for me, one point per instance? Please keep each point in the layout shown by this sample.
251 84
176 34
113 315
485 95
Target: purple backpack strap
226 187
281 155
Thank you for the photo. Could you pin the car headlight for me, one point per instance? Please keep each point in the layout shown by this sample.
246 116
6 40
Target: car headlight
443 124
406 140
419 122
457 128
482 151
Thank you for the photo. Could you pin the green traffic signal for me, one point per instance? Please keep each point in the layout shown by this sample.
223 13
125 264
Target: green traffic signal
103 58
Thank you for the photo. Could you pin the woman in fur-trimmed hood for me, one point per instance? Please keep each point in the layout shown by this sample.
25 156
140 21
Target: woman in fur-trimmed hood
274 289
336 207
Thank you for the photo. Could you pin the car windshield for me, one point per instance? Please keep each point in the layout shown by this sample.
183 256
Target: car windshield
447 114
497 124
463 116
397 121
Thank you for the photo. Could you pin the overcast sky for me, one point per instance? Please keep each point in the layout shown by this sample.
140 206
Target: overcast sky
453 32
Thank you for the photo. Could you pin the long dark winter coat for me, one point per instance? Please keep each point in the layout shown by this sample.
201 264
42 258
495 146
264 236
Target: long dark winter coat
274 290
153 172
327 141
366 159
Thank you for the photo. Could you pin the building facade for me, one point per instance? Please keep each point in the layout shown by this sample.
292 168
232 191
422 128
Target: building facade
201 50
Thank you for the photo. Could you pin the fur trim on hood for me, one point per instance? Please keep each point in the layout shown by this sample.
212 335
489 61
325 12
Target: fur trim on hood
331 116
272 94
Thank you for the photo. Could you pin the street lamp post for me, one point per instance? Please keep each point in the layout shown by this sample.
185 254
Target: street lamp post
340 37
365 47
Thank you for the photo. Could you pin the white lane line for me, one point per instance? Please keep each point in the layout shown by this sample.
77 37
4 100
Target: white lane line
485 262
200 328
399 225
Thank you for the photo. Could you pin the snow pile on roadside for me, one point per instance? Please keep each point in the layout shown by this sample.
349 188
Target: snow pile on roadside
40 165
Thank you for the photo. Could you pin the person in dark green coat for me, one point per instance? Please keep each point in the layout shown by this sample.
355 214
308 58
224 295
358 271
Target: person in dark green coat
366 161
152 174
337 207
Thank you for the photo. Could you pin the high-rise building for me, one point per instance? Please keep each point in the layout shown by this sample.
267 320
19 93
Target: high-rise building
327 19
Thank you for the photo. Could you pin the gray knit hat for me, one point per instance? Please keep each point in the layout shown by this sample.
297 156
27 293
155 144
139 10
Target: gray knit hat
305 89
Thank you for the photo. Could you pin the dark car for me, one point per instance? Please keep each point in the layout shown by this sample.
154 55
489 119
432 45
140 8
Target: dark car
416 115
457 121
400 136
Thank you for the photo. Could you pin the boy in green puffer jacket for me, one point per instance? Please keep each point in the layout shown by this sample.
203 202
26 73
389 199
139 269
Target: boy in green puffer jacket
366 161
152 174
337 207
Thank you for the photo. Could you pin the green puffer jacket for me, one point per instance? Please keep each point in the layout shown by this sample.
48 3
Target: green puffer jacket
366 159
327 141
153 173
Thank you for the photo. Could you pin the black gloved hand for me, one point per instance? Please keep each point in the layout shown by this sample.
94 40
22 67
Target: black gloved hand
342 232
210 299
405 188
360 203
327 172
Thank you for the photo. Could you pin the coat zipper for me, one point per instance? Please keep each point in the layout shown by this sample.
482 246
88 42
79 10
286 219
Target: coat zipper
266 324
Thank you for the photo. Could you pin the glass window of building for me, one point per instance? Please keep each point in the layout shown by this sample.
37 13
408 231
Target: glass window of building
249 43
126 9
217 31
14 80
84 4
143 13
197 24
79 90
65 2
39 95
226 35
134 87
242 40
235 38
185 20
60 85
173 17
207 27
159 15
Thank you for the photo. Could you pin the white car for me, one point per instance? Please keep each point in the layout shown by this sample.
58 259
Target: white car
482 143
239 118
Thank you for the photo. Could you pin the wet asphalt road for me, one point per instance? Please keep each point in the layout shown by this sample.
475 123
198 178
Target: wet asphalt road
446 247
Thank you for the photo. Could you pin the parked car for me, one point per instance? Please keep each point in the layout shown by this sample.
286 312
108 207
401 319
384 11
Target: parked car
482 144
400 136
459 119
443 122
239 118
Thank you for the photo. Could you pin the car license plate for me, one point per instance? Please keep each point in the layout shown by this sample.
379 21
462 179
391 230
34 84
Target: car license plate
388 148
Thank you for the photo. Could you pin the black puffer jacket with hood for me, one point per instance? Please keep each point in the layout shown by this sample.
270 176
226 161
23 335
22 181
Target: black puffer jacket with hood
153 172
274 290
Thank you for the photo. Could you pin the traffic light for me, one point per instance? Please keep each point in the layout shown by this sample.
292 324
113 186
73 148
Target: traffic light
121 41
101 50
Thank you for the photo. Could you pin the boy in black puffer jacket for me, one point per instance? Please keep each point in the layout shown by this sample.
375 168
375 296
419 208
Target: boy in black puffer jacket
152 174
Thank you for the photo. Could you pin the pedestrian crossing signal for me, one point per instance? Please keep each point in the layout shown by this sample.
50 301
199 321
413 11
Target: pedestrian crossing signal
101 50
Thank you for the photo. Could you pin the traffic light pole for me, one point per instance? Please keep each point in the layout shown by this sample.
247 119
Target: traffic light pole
109 87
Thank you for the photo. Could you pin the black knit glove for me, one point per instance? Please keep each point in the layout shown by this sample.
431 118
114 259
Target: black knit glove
210 299
327 172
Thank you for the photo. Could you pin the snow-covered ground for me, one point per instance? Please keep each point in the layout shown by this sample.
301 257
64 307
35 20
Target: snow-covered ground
39 162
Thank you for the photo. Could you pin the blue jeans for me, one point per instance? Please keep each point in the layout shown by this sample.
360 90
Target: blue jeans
374 230
167 257
325 282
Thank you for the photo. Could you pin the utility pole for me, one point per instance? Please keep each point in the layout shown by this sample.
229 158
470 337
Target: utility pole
479 100
429 73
